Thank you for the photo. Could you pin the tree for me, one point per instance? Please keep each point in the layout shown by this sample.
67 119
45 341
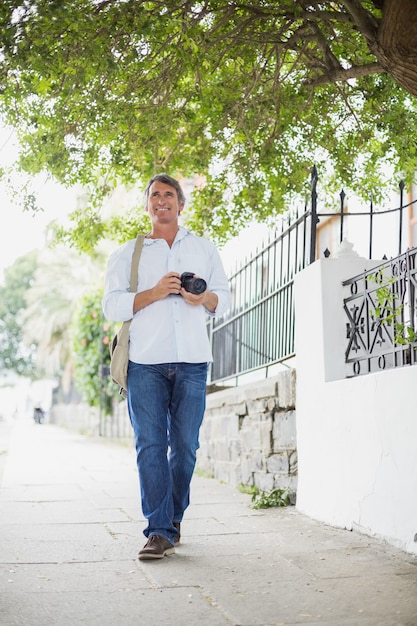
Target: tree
58 286
91 338
15 355
246 94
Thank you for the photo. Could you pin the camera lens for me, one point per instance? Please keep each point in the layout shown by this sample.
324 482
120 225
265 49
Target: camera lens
199 285
191 284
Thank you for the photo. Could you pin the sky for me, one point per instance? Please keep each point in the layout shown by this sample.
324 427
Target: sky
20 231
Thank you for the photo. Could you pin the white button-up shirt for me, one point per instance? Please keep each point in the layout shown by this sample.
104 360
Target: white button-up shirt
168 330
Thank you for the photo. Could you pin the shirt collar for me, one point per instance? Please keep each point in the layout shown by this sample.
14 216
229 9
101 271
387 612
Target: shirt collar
182 232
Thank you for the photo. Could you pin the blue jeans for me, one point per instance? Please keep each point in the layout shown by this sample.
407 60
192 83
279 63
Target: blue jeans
166 405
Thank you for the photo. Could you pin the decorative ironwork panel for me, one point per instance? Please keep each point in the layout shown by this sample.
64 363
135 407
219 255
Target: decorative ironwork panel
380 311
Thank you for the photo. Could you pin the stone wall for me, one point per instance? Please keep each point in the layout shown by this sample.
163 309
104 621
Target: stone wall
248 434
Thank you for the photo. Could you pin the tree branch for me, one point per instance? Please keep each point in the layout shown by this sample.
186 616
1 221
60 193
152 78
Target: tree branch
356 71
367 24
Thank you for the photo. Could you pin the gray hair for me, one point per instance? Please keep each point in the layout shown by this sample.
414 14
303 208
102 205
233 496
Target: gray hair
168 180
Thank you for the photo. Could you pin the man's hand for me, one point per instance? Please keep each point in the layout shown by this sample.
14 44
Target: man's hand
207 298
170 283
192 298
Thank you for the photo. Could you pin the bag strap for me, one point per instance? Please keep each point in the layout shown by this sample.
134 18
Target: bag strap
134 268
135 262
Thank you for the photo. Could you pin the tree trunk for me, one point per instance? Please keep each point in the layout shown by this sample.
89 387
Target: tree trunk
396 45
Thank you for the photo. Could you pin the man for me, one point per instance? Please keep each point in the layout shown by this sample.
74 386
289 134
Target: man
169 353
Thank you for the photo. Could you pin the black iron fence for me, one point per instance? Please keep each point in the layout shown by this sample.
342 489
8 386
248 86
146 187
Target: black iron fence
262 302
258 330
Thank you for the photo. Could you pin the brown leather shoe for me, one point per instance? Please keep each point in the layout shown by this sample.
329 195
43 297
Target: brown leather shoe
178 527
156 548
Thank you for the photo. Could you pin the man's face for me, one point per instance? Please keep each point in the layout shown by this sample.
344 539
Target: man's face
163 205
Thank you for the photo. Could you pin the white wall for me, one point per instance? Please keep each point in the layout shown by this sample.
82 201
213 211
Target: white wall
357 437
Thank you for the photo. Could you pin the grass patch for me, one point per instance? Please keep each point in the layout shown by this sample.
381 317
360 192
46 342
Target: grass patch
202 473
267 499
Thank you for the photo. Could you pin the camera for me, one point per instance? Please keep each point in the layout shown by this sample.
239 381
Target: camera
191 284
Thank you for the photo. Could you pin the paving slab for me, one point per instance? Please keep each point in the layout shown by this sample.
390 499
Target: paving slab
71 526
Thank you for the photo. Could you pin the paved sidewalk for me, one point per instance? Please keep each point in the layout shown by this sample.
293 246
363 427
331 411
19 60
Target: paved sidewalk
71 527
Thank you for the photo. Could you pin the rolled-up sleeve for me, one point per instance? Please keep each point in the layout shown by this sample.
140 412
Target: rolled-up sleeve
118 299
219 285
